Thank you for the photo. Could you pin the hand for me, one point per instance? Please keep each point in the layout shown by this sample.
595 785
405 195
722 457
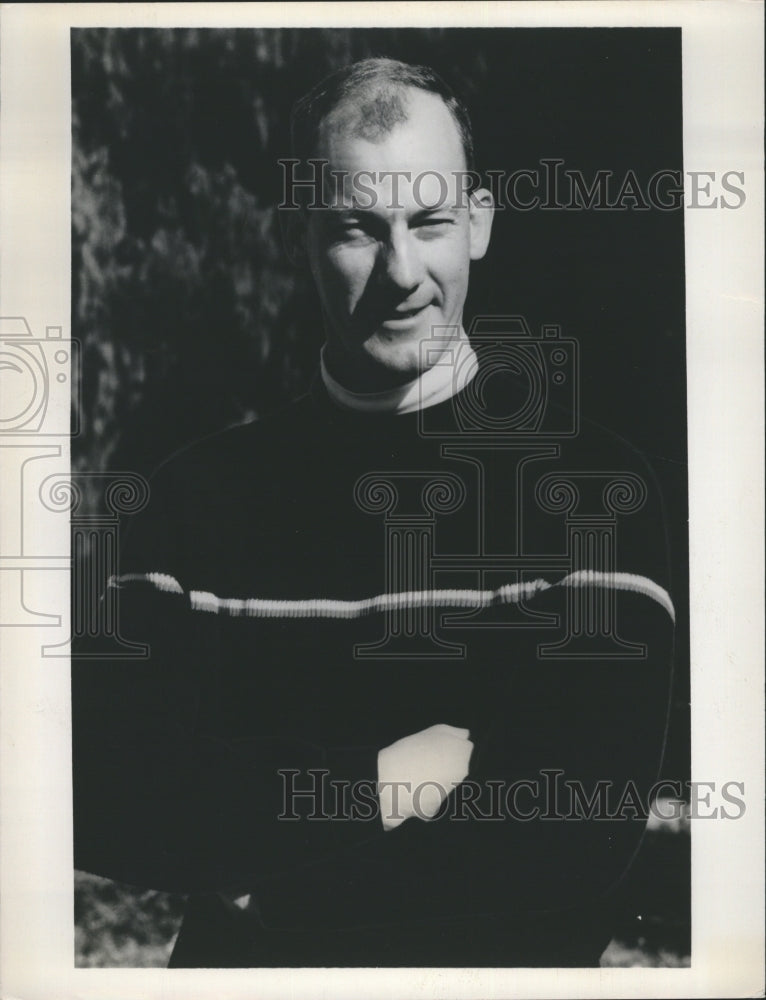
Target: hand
417 773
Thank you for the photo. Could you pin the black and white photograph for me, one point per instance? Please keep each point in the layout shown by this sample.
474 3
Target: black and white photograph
379 647
403 549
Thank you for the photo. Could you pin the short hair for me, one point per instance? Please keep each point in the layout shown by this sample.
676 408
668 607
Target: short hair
377 87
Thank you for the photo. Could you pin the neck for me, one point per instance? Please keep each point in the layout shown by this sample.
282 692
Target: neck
452 372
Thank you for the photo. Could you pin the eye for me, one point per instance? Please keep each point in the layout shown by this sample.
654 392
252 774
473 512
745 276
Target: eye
352 229
433 226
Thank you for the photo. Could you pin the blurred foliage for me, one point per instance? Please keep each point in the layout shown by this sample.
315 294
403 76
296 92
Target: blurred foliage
189 315
120 926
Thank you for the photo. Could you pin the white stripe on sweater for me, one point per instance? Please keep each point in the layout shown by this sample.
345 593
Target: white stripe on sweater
321 607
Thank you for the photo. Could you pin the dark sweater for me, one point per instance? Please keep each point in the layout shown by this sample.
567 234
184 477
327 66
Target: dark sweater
177 757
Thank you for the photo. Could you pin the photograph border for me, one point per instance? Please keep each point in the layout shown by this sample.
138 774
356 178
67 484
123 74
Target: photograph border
723 130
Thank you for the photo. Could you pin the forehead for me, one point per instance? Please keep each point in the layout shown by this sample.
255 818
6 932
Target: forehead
407 130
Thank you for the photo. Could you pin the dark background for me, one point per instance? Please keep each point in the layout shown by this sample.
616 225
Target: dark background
190 318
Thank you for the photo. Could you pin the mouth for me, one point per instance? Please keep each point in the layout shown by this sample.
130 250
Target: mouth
402 319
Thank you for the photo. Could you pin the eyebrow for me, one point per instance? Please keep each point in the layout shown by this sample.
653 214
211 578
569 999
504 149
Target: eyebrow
419 216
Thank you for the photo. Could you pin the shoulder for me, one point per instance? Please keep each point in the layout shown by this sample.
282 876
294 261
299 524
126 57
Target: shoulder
604 451
214 485
234 450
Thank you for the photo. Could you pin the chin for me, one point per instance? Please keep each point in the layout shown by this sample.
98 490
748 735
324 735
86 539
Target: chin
401 353
400 359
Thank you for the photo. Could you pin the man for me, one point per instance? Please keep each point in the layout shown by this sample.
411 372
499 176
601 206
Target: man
386 642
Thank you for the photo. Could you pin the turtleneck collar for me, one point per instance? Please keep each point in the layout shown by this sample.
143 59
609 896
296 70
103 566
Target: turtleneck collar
455 369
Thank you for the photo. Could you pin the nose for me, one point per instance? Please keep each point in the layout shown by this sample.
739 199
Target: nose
402 261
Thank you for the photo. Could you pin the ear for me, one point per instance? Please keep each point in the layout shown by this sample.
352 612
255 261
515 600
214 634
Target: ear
292 222
481 209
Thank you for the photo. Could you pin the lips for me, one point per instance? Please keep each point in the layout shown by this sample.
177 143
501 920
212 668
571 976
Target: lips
403 317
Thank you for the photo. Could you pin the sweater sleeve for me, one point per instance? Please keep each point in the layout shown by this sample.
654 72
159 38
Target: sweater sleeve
161 799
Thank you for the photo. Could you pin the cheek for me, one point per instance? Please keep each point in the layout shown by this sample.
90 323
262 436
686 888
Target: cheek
343 274
450 266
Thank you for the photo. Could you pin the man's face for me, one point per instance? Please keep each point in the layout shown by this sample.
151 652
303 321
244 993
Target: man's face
390 255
